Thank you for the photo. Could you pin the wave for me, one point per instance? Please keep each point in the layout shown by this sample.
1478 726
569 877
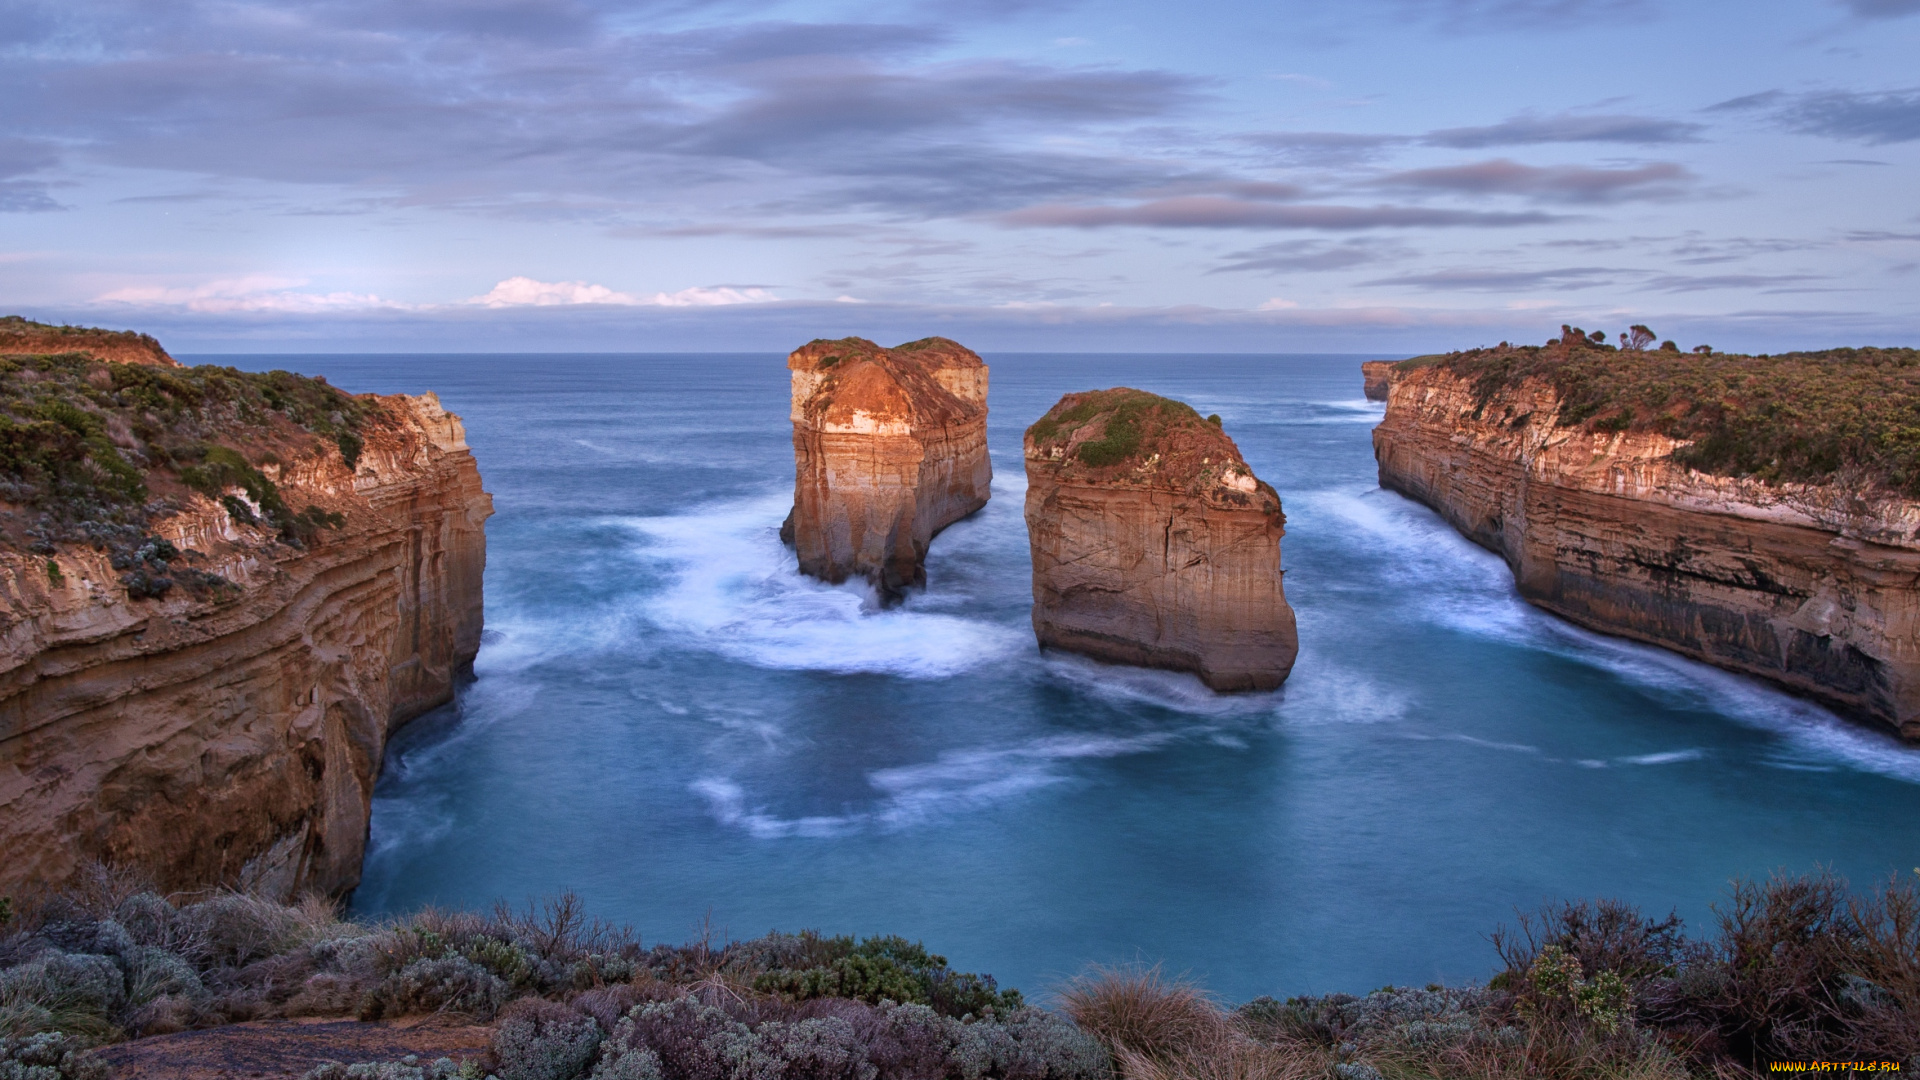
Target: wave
911 795
732 588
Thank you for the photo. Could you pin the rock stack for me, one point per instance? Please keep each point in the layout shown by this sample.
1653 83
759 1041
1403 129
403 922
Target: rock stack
1154 543
889 447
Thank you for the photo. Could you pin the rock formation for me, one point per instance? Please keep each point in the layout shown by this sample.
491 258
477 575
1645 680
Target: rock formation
889 447
21 337
211 706
1154 543
1807 585
1376 373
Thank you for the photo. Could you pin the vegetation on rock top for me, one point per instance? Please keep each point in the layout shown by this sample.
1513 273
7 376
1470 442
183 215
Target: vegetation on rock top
92 451
1118 432
21 335
1847 416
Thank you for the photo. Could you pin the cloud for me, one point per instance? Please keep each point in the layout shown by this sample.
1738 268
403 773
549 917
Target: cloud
1875 119
1324 147
1882 9
1507 15
1675 283
1891 116
527 292
1291 255
1219 212
254 293
1555 183
1498 281
1529 129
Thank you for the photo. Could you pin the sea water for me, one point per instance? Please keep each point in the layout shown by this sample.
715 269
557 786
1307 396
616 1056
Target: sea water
672 722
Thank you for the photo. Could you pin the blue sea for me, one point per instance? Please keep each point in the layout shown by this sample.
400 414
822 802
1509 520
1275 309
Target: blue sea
672 722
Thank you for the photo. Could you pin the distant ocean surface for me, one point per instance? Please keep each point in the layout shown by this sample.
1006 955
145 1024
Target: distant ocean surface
672 722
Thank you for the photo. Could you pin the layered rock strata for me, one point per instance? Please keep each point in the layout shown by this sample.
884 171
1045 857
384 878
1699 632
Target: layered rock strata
1154 543
1807 585
232 737
889 448
1375 375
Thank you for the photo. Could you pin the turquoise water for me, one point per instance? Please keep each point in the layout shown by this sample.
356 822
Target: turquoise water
670 721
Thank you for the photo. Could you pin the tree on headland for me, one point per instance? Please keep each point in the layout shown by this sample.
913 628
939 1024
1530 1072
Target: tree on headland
1637 338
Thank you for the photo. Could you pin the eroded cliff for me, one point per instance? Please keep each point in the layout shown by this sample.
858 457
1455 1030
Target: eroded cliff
889 448
1154 543
1375 375
1546 460
197 679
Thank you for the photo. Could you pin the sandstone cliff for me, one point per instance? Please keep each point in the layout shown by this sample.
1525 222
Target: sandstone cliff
1376 374
889 447
1154 543
1810 585
199 681
21 337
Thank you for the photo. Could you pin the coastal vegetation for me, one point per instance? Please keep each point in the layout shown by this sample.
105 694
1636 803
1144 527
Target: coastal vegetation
1797 968
1133 418
91 451
1847 416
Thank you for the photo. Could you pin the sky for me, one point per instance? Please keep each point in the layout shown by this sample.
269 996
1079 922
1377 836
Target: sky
1285 176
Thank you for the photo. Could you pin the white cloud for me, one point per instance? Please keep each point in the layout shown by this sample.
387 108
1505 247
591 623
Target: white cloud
528 292
256 292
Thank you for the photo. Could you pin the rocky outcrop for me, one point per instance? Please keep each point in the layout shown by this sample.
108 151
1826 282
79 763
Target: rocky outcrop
232 736
889 447
1154 543
22 337
1376 374
1810 586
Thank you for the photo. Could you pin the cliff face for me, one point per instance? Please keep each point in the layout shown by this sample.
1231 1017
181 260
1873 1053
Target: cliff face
1153 542
21 337
231 734
889 447
1808 585
1376 375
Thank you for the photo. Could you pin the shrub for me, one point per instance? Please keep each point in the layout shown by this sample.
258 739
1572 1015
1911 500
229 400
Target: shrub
407 1068
544 1040
47 1056
448 984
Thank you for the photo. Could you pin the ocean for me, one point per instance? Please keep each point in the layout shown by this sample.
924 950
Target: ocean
667 719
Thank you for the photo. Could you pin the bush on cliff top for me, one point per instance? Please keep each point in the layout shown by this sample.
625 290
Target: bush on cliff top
1135 419
1848 416
91 450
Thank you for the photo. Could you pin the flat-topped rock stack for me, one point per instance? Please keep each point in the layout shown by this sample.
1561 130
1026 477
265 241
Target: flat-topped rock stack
889 448
1154 543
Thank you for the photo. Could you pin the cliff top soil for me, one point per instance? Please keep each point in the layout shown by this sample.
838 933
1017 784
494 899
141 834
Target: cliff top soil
1849 416
902 383
92 451
23 337
1127 437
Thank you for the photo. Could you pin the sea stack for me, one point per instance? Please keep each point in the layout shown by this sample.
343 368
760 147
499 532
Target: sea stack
1378 375
1154 543
889 447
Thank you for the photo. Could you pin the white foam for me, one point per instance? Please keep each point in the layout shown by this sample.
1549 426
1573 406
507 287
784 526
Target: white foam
955 781
1668 758
734 589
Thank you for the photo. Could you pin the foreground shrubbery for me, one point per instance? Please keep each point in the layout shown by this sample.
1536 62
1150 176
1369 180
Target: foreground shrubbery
569 997
1798 969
